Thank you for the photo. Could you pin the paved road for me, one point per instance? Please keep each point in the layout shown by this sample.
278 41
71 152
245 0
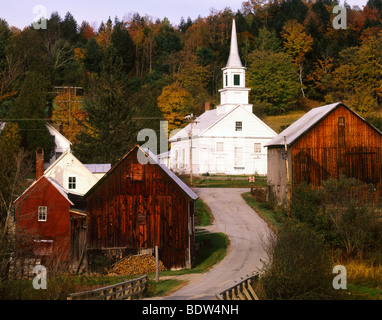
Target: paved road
247 232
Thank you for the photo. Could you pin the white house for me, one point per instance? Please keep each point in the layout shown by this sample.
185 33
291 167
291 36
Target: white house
229 139
71 174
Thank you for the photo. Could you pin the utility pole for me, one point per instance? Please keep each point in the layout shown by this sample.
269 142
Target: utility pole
287 175
192 121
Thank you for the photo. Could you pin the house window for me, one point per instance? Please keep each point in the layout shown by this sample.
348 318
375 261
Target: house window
42 213
239 126
257 148
341 121
236 79
72 183
219 146
226 80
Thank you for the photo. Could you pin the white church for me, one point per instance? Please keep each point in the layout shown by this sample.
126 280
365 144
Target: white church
229 139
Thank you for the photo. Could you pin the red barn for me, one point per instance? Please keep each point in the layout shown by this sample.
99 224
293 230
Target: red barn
327 142
139 206
42 219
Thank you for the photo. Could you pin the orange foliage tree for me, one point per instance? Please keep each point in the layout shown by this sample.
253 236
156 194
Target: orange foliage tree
68 113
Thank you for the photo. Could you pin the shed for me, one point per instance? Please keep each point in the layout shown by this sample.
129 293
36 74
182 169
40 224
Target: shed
327 141
42 220
138 206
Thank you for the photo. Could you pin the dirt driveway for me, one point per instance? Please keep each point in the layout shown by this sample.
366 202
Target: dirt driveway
246 231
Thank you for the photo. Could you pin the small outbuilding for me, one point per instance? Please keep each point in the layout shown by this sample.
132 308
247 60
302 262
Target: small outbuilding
139 204
328 141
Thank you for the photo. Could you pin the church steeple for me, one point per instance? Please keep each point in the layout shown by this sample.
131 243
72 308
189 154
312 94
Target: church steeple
234 91
234 58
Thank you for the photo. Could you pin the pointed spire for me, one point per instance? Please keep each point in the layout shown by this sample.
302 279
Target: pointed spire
234 58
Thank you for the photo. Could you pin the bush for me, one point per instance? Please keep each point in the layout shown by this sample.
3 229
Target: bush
299 265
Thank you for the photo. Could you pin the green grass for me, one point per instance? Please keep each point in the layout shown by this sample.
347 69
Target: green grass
203 215
162 287
213 252
276 122
272 217
225 181
360 292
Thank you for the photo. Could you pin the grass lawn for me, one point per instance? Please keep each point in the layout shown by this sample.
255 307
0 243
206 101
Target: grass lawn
276 122
203 215
225 181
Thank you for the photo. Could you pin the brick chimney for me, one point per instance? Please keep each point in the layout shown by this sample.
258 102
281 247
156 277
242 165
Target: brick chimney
39 163
206 106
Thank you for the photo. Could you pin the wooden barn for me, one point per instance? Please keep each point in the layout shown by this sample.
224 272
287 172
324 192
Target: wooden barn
137 206
43 218
328 141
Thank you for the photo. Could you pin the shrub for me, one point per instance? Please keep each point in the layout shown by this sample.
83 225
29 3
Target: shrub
299 266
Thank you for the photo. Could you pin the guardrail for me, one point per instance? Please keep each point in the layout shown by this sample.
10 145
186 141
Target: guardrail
241 291
127 290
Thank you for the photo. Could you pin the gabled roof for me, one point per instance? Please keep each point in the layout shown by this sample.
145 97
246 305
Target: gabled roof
155 159
56 132
65 154
54 183
305 123
207 120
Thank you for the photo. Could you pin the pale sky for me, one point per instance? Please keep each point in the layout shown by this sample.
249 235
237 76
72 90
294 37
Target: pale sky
20 13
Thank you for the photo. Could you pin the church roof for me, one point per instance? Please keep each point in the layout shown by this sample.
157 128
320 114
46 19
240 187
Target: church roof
234 57
203 122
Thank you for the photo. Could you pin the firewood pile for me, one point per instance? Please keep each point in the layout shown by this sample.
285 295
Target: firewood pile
132 265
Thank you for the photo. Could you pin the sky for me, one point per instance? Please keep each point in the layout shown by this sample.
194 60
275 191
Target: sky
20 13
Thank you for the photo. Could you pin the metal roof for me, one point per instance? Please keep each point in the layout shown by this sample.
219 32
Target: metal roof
172 175
302 125
98 167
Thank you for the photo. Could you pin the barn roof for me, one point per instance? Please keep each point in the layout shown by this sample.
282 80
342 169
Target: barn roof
305 123
156 160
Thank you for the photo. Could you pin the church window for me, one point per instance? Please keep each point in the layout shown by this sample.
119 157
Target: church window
257 148
236 79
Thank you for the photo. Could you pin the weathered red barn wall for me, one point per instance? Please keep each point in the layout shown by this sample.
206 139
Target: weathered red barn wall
56 228
140 206
329 150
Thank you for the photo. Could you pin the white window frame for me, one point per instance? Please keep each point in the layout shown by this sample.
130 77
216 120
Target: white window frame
237 127
219 146
42 216
257 147
75 182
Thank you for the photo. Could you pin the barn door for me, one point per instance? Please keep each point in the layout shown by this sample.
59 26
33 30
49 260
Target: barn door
142 223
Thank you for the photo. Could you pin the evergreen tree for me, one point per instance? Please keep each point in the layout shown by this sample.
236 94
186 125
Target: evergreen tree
30 113
109 131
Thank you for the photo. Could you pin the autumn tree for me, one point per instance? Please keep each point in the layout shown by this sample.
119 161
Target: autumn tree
297 44
68 113
175 103
358 79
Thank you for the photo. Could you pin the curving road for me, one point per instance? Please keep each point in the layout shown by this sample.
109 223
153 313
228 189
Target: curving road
247 233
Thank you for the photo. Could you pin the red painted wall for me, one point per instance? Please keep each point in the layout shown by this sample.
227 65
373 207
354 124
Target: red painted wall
56 226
